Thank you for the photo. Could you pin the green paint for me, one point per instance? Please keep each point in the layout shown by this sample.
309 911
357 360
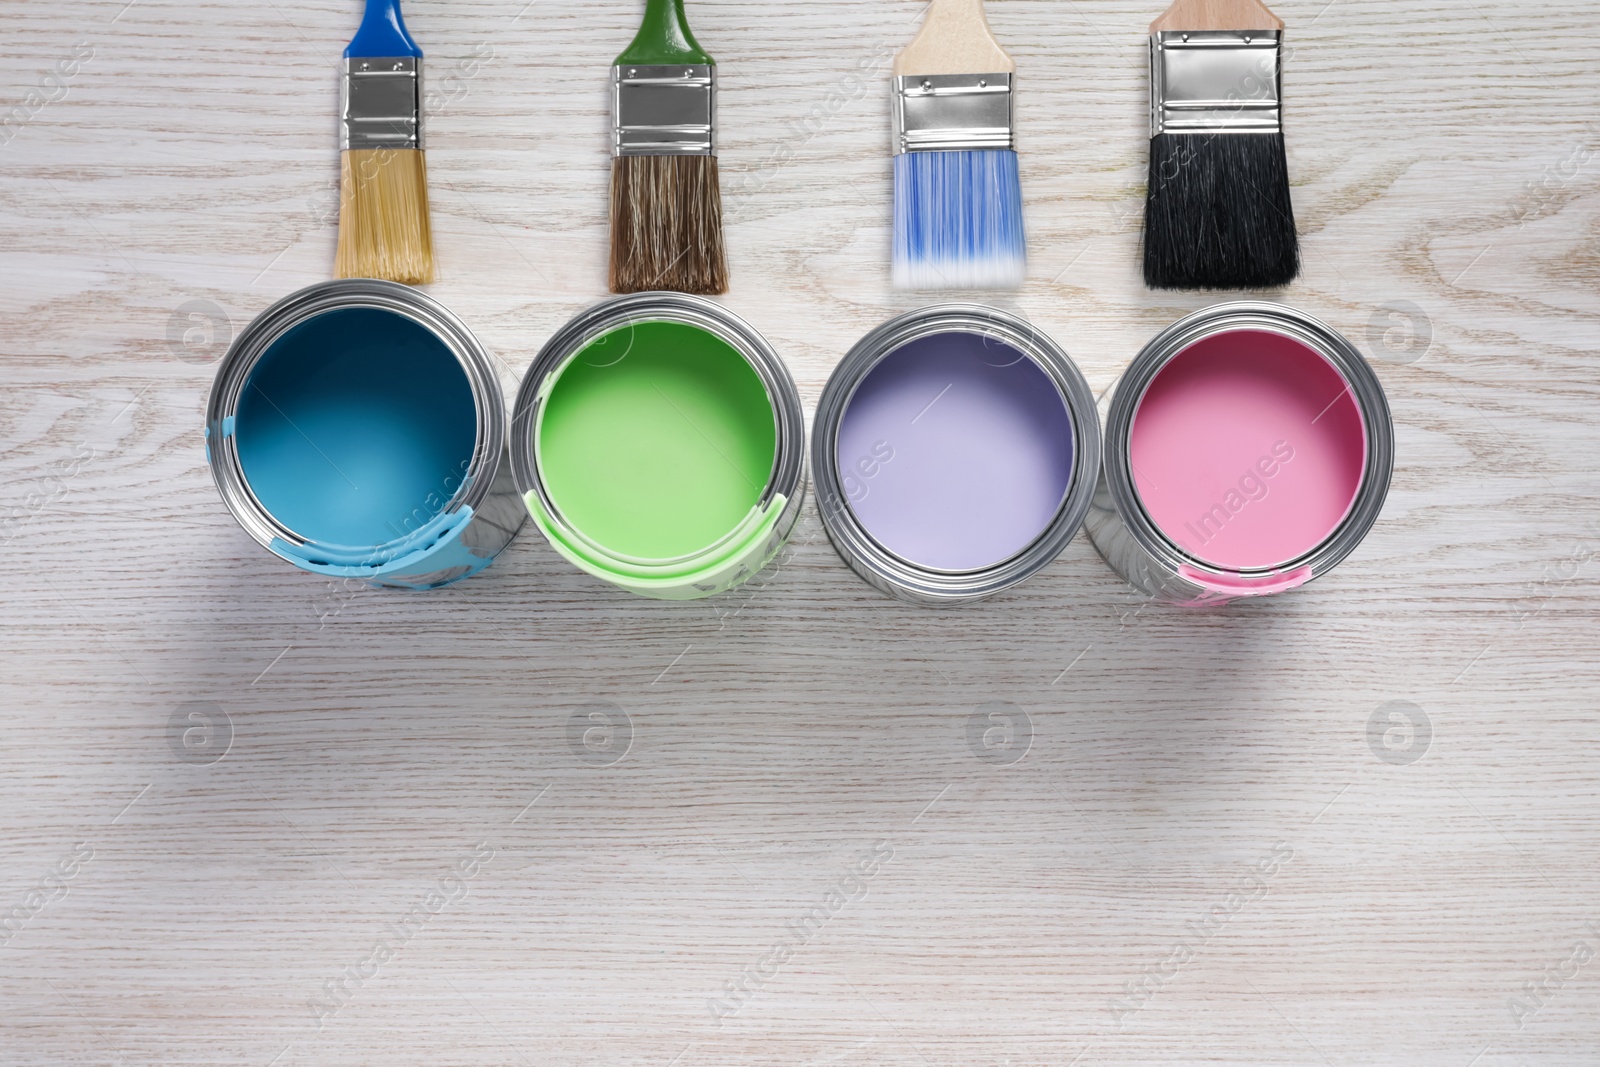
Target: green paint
664 37
655 441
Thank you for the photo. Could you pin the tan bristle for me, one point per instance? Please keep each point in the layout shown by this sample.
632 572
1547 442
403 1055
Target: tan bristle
383 216
666 225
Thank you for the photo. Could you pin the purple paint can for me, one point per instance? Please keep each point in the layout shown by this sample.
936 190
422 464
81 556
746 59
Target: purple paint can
955 452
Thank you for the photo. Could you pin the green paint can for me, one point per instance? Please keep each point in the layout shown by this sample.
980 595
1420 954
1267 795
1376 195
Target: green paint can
658 442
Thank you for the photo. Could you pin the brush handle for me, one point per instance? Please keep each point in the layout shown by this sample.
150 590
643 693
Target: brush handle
382 33
1217 15
664 37
955 39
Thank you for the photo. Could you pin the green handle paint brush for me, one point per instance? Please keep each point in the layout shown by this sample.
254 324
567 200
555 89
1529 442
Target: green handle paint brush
666 203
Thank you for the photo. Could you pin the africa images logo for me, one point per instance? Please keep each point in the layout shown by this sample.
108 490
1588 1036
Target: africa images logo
51 888
1253 486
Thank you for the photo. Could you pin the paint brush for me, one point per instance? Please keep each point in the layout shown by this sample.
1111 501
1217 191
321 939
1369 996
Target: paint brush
666 203
957 194
383 179
1218 213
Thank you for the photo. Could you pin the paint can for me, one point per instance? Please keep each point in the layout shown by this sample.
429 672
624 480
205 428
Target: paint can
356 429
955 451
1249 449
658 442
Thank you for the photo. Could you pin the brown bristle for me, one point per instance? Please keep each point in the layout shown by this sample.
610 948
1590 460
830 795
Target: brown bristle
666 225
383 216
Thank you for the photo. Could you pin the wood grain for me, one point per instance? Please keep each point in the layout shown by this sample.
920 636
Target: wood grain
955 38
1447 183
1217 15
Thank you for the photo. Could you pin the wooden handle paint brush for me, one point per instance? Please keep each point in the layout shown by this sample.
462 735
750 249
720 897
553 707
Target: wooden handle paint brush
666 200
957 191
383 178
1218 213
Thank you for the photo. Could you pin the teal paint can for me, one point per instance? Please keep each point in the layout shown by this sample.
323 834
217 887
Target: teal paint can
357 430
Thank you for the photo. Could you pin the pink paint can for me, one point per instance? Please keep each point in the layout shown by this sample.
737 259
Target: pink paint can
1248 451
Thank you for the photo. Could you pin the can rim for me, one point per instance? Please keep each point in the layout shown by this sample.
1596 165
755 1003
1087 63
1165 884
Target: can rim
1283 320
305 304
893 573
785 475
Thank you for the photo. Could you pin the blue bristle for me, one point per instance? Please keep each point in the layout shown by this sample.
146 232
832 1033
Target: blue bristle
958 220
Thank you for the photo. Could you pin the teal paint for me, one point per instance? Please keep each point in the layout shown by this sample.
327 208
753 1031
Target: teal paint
434 550
354 429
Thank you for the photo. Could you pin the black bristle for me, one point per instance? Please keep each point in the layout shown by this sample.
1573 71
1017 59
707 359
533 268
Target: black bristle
1218 214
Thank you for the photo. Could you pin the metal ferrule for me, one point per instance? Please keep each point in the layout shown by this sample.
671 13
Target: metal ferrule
664 110
380 103
1216 81
952 112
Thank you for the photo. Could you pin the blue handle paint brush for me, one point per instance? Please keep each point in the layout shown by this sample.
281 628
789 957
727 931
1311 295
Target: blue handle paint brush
383 178
957 191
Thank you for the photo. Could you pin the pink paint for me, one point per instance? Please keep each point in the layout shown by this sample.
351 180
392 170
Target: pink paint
1248 450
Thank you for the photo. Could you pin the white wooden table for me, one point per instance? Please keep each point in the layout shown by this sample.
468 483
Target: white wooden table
1079 893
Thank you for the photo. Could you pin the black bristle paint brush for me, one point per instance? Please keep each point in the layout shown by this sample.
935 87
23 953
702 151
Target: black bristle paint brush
666 201
1218 213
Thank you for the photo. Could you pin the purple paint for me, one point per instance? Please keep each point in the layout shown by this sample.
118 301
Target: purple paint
955 452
